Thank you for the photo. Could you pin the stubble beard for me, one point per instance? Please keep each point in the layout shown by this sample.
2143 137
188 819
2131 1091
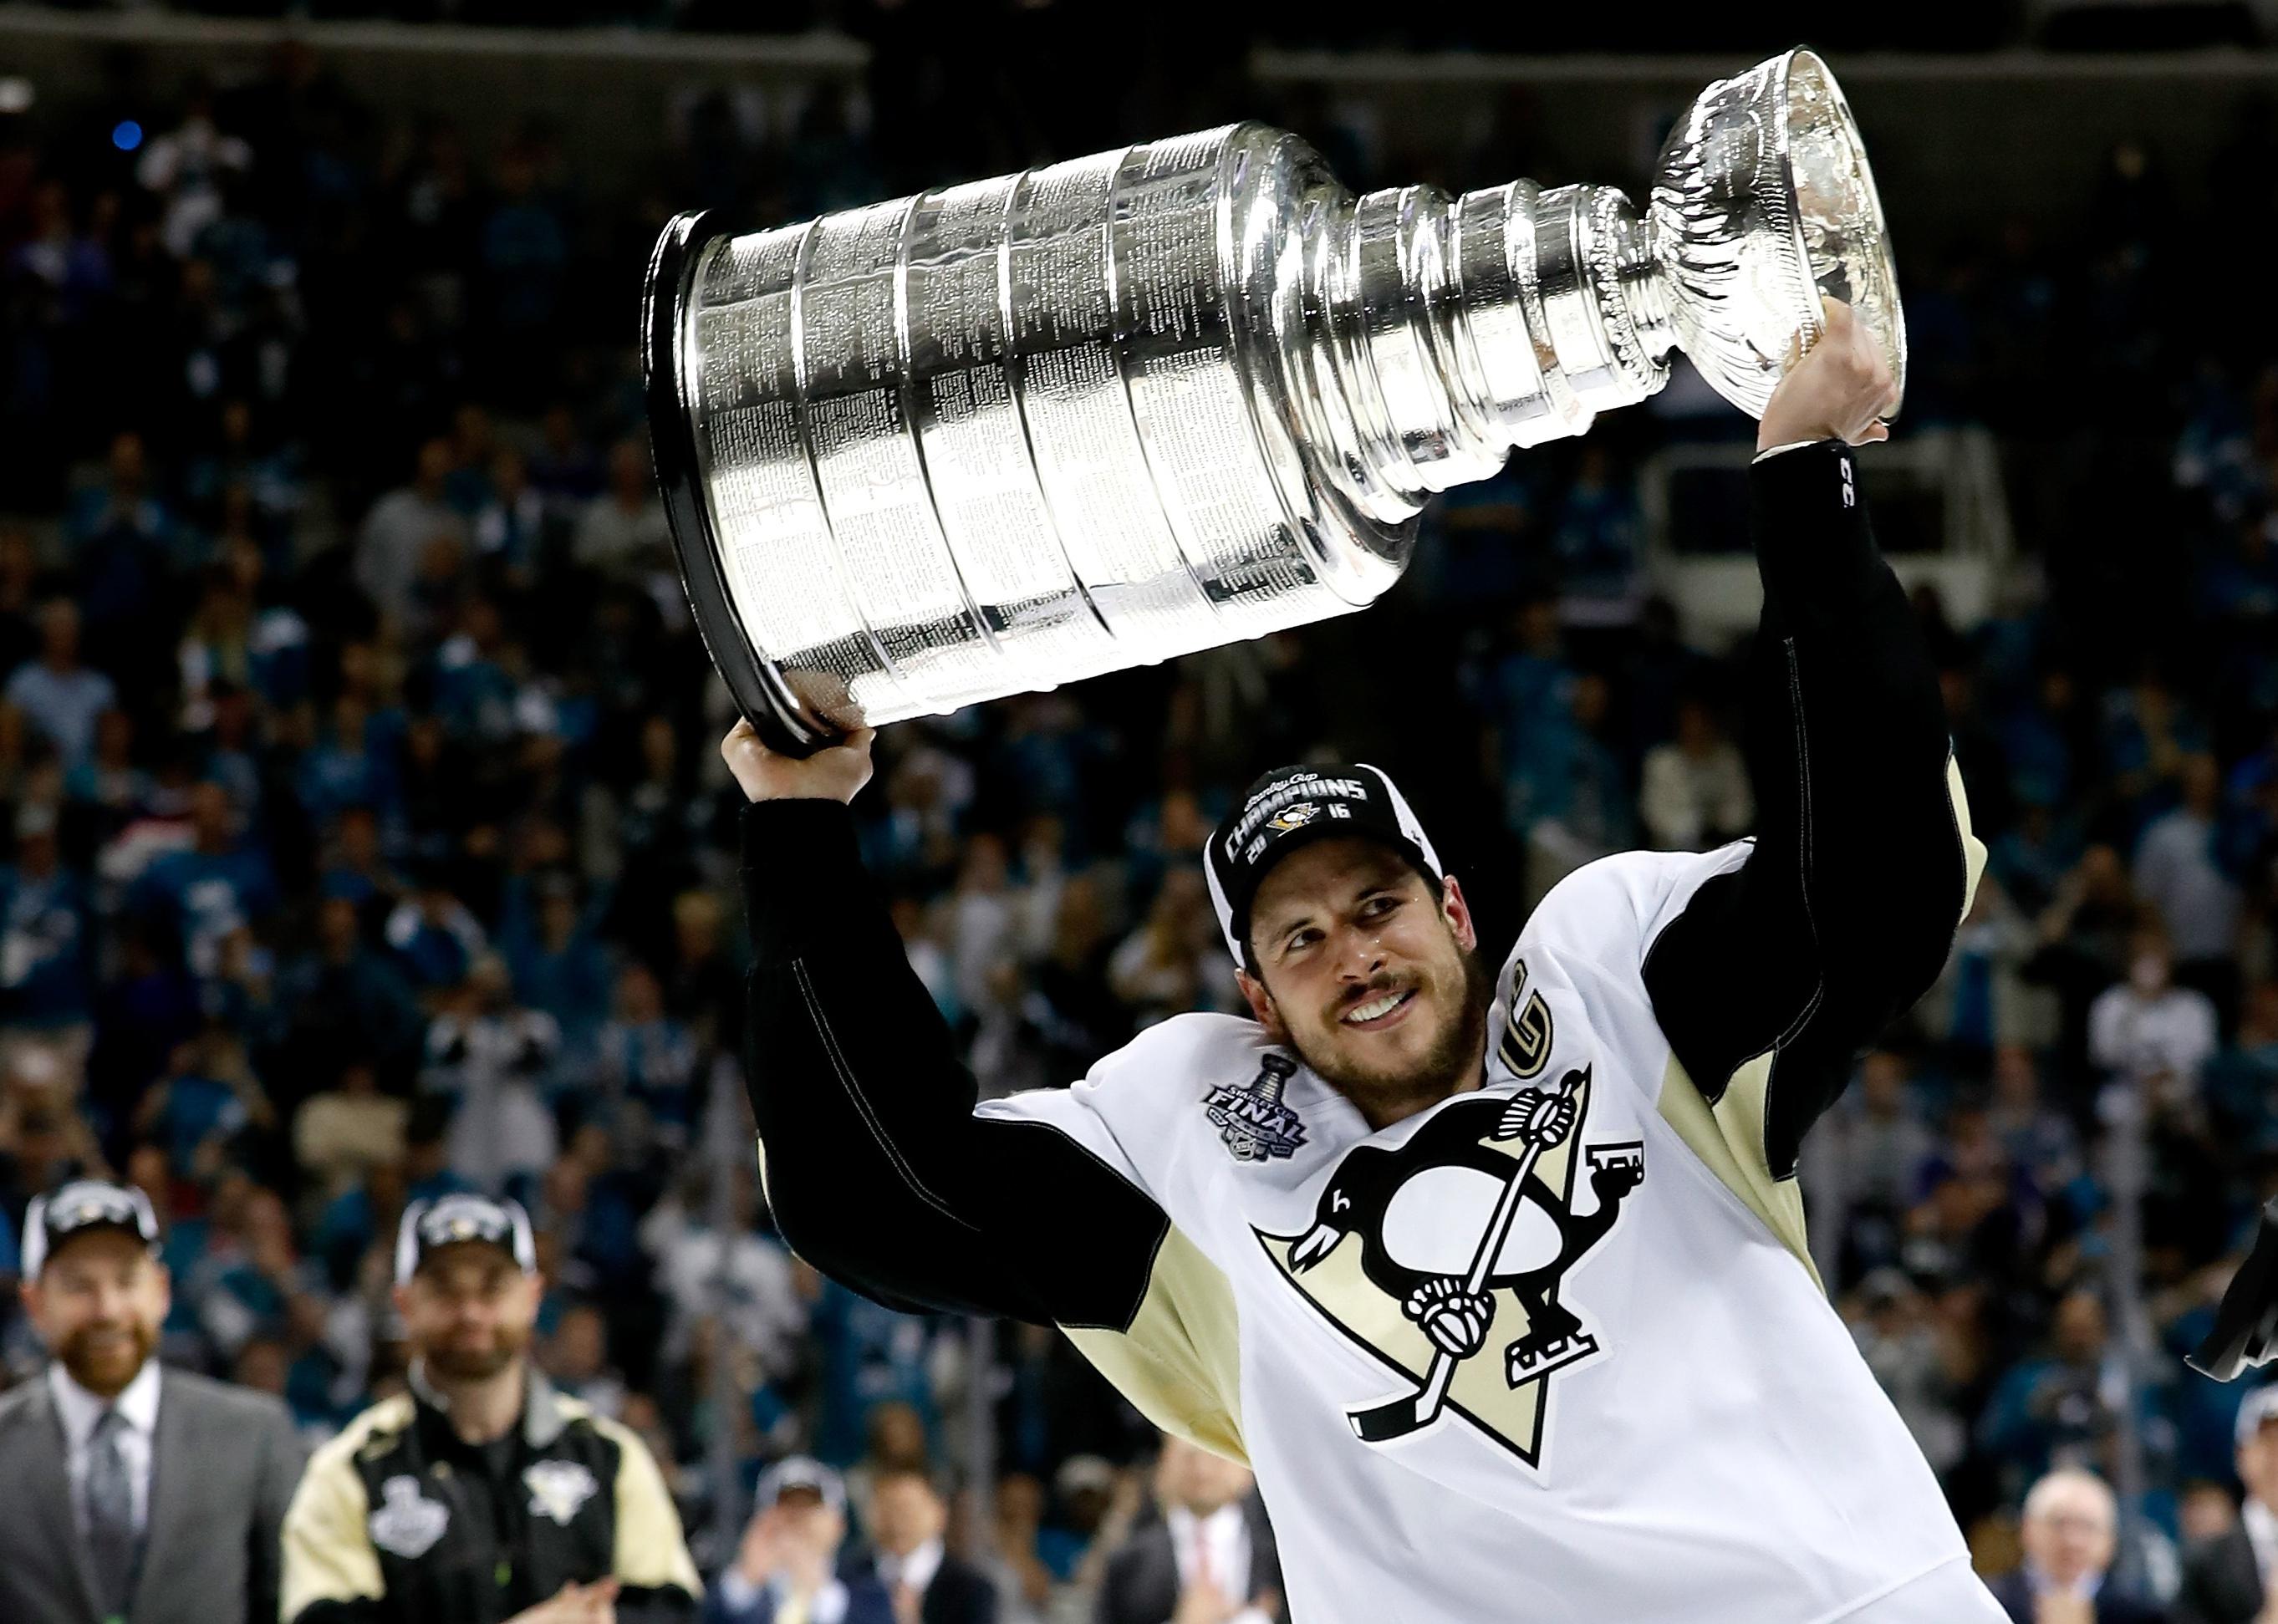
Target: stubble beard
105 1371
1450 1066
451 1364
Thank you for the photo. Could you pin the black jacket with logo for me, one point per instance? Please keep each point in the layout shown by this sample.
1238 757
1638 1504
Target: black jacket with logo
400 1520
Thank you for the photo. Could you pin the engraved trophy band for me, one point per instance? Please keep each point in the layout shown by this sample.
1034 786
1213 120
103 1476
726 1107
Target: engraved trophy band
1007 435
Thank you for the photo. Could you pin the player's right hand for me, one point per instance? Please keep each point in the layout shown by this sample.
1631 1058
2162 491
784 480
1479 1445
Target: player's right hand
835 773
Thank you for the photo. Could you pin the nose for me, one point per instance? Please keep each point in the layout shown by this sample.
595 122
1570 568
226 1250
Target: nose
1359 954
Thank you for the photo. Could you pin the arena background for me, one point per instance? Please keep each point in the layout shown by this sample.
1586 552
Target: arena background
365 834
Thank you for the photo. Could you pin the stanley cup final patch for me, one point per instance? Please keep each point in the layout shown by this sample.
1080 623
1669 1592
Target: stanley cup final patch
407 1523
1252 1119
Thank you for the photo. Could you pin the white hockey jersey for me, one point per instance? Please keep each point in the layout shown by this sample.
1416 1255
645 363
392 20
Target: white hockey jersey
1707 1448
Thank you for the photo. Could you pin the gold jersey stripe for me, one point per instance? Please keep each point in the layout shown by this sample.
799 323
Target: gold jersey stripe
1180 1361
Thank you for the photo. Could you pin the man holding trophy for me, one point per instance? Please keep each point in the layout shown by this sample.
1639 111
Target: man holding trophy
1497 1279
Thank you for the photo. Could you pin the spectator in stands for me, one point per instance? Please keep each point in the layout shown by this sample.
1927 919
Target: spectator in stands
623 531
576 1358
346 999
907 1520
436 936
220 884
343 1134
2146 1030
489 1058
2057 1404
400 528
647 1073
2229 1578
785 1569
560 967
62 698
1176 961
2178 871
47 942
2070 1530
1210 1555
1695 795
120 539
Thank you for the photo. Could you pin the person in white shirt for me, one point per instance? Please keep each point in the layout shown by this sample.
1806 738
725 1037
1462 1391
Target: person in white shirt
1210 1560
1695 791
127 1495
2146 1029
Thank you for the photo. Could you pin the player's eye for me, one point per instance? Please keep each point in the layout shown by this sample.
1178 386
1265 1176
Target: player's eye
1298 941
1377 906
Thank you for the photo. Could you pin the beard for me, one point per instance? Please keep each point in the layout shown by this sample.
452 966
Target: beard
103 1359
465 1362
1450 1065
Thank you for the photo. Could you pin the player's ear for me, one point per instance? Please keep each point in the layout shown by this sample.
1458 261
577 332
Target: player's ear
1262 1007
1457 909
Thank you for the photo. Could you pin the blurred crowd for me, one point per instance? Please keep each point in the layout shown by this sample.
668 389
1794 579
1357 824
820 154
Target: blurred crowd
364 839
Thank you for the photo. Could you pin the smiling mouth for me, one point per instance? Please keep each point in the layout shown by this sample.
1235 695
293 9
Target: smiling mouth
1382 1011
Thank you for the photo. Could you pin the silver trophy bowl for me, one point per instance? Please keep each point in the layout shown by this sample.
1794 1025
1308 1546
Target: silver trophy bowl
1015 433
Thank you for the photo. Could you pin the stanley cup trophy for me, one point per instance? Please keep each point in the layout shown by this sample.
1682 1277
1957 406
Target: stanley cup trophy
1014 433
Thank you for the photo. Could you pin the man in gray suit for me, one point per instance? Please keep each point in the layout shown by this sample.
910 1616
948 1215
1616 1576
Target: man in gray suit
129 1494
1209 1559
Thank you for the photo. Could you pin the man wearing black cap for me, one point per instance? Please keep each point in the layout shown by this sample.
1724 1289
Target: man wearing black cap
483 1495
1498 1280
128 1492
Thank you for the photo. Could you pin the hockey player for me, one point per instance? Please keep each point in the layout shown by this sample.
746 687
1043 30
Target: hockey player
1497 1281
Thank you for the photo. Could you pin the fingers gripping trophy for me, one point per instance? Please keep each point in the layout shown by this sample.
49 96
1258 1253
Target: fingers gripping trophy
1011 434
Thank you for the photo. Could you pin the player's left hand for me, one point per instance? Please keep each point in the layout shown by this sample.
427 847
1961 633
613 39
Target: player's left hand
1541 1119
1839 389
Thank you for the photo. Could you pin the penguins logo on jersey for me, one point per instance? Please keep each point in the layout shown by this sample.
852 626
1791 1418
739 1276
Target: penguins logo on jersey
1396 1230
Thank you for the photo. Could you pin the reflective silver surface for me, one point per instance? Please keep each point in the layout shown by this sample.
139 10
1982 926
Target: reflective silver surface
1022 431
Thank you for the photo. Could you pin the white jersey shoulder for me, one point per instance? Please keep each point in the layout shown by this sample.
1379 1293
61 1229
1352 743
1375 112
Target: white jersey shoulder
1609 912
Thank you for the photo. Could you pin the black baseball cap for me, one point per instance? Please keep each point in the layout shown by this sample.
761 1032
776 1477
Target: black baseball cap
461 1220
1289 808
79 1207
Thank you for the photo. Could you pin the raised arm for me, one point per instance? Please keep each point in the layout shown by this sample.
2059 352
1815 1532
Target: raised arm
874 1165
1775 973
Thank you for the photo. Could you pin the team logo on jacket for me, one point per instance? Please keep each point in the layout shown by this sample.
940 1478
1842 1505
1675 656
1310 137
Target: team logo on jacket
558 1488
1447 1258
1251 1119
408 1523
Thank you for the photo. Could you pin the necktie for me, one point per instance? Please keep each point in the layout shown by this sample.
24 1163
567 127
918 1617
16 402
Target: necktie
110 1515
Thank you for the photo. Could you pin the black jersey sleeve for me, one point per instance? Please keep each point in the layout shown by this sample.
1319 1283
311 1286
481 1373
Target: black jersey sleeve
875 1167
1863 864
